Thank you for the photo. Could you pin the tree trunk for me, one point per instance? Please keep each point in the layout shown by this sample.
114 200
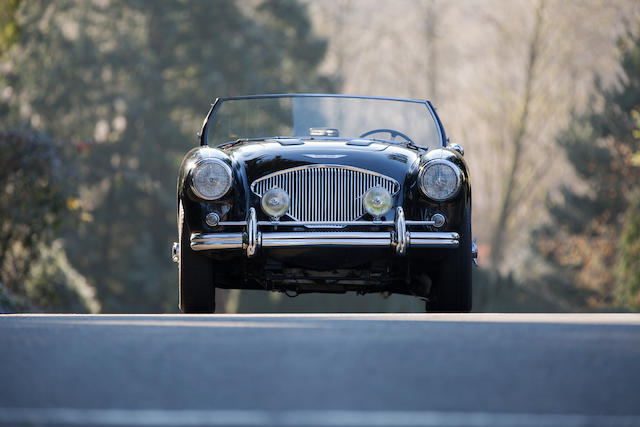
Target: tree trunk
500 228
432 51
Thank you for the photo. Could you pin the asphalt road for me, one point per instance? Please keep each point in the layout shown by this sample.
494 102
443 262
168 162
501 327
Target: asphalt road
321 370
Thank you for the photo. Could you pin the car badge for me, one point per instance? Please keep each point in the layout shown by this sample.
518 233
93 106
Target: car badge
325 156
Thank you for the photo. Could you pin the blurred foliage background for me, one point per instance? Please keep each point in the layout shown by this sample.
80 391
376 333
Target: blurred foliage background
100 99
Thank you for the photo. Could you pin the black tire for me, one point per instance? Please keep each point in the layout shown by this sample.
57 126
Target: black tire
195 275
453 289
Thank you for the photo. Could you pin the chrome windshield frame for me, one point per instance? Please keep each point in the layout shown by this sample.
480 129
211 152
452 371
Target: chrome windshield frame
203 134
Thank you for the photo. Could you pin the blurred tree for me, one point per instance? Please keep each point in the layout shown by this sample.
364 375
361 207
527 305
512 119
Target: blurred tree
37 185
9 32
54 285
582 240
33 199
9 28
130 82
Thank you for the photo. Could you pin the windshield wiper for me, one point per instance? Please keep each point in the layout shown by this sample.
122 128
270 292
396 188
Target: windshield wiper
239 141
405 143
284 140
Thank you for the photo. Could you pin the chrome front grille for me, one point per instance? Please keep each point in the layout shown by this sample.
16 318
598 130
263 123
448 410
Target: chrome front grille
324 193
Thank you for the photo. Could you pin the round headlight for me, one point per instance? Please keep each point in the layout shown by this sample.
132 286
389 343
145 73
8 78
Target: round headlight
440 180
275 202
377 201
211 179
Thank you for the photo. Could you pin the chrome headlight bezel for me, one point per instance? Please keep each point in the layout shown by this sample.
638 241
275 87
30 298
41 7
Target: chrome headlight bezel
458 177
203 163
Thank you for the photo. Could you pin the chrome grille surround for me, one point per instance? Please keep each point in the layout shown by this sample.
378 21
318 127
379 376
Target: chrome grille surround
325 193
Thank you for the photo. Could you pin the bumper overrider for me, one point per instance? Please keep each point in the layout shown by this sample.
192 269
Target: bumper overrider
250 239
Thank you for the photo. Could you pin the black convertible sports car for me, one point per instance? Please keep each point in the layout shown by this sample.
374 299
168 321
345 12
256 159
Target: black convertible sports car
324 193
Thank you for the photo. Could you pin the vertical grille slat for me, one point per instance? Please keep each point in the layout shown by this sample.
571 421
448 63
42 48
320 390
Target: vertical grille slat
325 193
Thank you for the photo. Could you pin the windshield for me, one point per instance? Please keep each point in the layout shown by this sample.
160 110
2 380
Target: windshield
323 117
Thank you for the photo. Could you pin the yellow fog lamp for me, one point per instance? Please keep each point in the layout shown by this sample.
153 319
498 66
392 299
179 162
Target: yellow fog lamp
377 201
275 202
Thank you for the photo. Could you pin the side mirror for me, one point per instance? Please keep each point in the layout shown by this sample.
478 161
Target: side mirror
456 147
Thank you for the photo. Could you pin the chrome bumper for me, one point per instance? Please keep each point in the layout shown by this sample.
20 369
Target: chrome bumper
251 239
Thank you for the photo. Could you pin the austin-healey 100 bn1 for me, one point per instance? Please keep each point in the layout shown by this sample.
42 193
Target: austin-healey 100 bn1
324 193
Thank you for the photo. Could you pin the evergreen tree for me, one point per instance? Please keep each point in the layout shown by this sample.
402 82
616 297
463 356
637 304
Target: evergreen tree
628 266
129 82
583 238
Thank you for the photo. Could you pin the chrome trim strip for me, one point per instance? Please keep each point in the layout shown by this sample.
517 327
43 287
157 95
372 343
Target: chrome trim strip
437 235
323 223
268 243
434 243
203 242
325 156
223 241
327 236
216 237
412 222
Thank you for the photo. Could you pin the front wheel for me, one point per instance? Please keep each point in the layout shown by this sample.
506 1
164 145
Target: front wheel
452 292
195 275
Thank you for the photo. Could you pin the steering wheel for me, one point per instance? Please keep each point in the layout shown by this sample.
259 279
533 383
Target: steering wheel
392 132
